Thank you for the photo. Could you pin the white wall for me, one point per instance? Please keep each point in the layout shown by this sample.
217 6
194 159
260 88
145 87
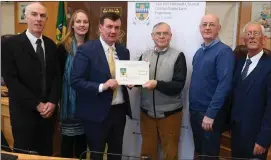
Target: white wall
7 18
227 13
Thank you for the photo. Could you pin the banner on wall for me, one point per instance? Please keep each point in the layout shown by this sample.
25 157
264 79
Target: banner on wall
184 19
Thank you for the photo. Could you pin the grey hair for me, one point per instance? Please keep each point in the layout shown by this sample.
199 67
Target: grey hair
26 11
159 24
262 27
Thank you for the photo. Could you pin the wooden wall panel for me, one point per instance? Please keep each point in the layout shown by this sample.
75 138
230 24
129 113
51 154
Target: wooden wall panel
244 18
94 13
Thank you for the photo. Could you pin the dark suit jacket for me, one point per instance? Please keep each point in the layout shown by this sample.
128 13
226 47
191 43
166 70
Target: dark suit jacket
90 69
62 57
22 74
251 102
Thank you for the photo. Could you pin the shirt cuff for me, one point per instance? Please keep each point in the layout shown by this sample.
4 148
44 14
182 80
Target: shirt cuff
101 88
211 113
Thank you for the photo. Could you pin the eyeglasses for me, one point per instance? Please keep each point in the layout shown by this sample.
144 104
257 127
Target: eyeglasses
158 34
256 34
211 25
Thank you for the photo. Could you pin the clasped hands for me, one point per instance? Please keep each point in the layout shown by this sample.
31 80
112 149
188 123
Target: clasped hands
46 109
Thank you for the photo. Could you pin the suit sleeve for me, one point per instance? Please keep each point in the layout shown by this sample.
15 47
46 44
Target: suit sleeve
80 73
61 58
178 80
17 90
56 82
264 137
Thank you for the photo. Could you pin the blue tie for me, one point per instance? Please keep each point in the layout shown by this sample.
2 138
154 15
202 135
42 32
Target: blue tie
244 73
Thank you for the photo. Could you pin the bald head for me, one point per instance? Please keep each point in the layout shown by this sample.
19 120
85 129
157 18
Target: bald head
209 28
210 17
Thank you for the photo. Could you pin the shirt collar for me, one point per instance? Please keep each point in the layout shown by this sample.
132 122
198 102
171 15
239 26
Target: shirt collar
105 45
203 46
32 38
257 57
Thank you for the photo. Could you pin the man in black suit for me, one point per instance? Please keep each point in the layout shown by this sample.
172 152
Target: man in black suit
31 73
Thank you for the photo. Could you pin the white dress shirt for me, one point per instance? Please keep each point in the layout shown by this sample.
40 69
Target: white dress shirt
33 41
119 97
255 59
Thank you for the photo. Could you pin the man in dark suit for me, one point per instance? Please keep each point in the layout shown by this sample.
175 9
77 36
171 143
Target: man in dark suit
102 103
31 73
251 101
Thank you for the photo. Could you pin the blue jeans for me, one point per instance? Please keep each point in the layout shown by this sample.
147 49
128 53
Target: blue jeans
206 142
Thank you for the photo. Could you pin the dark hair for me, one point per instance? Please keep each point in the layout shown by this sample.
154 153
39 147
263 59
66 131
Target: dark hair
109 15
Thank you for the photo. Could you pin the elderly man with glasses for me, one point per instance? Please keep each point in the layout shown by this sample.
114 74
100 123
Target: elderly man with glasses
161 108
251 95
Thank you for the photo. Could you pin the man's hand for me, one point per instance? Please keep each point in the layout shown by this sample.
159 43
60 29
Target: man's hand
151 84
40 107
48 110
207 123
111 83
258 149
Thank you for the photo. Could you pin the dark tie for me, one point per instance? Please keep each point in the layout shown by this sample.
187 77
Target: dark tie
244 73
40 53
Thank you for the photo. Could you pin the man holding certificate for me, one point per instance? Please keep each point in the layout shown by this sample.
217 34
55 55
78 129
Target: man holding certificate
161 108
102 103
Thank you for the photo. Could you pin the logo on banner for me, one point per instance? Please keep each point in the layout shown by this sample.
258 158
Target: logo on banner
142 13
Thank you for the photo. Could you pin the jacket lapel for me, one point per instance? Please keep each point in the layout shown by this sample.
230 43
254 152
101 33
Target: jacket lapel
100 52
47 49
118 51
238 69
255 73
27 46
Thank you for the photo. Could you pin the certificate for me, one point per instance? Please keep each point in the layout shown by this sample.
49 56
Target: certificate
132 72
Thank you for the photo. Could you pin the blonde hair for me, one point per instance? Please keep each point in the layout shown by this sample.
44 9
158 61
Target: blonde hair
67 40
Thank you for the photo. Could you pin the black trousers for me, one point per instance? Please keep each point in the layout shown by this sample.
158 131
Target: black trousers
36 136
110 131
73 146
207 143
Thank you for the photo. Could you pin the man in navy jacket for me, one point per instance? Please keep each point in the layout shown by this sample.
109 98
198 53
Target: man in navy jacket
102 103
251 105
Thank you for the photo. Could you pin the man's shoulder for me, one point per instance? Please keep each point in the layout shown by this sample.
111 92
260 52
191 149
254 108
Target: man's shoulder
91 44
48 40
223 46
222 49
121 47
268 60
148 51
13 38
175 51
